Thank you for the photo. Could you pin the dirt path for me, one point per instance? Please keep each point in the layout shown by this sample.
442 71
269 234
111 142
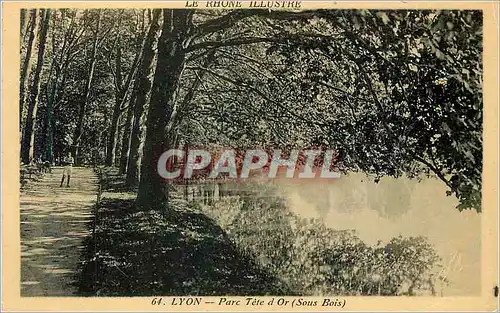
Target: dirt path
53 225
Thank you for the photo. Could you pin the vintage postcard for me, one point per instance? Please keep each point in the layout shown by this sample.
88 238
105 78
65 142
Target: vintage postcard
249 156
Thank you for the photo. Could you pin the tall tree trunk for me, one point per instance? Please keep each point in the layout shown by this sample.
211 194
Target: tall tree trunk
27 147
141 94
171 57
83 106
121 92
26 65
113 134
105 138
127 129
56 66
117 109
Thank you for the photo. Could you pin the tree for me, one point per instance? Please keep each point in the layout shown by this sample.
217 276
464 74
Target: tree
127 128
122 85
409 92
26 65
27 147
376 87
66 25
352 90
177 33
402 97
170 64
141 92
88 84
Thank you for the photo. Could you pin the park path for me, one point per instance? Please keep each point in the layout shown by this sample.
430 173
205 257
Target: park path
53 225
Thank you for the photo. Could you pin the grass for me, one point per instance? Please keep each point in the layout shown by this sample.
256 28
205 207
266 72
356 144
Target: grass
176 251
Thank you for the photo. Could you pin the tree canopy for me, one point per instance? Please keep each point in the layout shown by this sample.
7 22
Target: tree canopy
395 92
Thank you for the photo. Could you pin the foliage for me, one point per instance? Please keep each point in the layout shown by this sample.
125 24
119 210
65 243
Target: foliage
395 92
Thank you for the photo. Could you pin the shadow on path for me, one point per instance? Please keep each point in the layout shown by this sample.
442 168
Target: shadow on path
53 226
179 251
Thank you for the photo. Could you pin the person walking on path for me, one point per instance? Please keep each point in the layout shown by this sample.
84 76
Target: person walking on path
68 169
